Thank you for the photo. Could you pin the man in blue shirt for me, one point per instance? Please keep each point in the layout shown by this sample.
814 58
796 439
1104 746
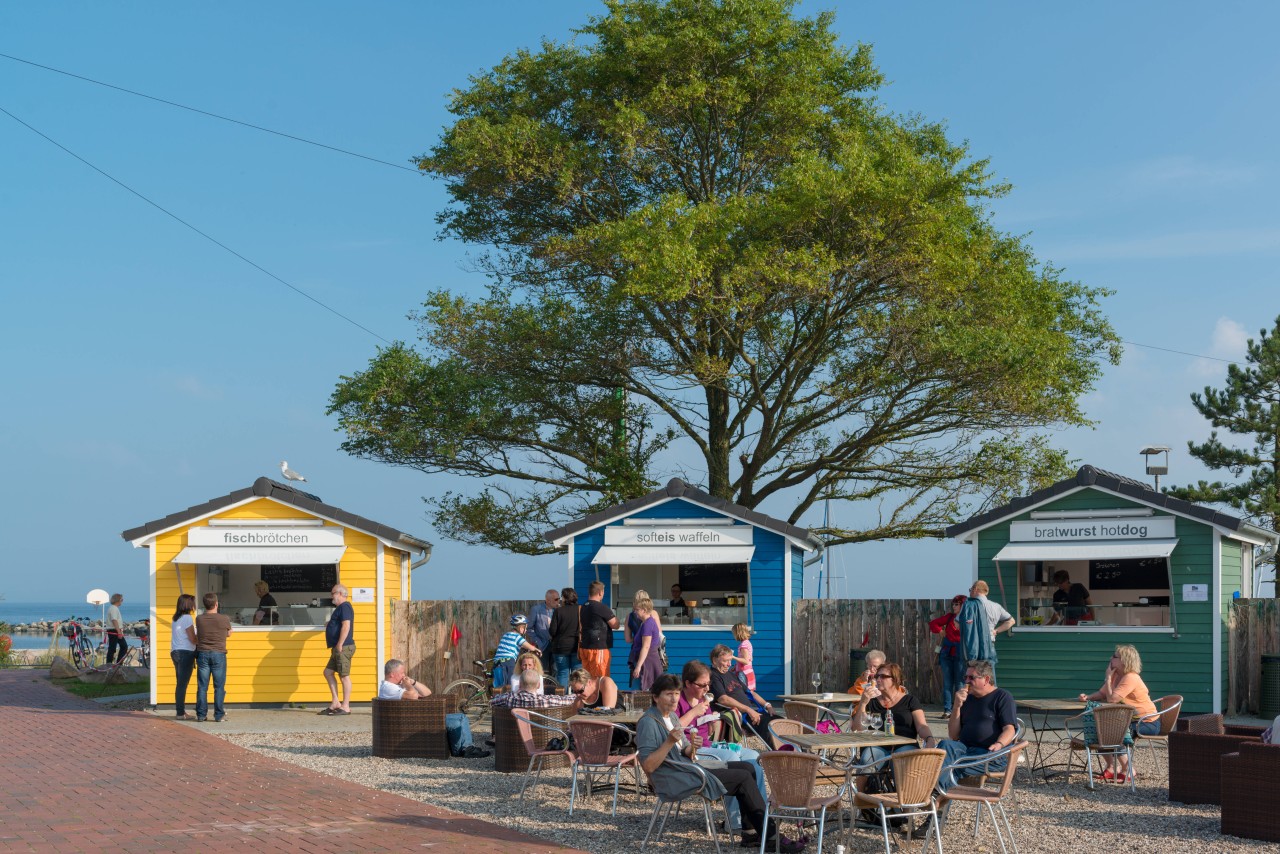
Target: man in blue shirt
342 646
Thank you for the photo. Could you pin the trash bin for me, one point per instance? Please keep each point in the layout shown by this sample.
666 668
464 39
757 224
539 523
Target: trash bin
1270 686
857 663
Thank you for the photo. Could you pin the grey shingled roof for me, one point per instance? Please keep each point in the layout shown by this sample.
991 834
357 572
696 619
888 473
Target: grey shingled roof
1120 485
677 488
265 487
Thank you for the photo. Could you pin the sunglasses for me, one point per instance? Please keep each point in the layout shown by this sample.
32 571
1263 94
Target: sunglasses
884 675
701 684
971 677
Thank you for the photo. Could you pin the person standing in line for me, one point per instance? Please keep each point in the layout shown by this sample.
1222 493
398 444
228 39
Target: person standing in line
564 637
540 623
212 630
950 656
978 636
645 662
341 641
598 622
114 629
182 649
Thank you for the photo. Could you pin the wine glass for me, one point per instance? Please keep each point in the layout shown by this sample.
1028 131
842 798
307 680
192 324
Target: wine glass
876 722
815 679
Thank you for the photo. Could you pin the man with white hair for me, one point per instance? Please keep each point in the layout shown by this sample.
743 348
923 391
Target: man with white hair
540 622
396 685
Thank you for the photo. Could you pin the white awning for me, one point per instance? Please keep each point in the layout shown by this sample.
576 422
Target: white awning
232 556
623 555
1091 550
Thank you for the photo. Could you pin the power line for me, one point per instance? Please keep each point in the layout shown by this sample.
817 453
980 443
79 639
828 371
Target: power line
206 236
1180 352
212 115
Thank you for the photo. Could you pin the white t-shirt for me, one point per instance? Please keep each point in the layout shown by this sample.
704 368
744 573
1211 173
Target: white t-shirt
180 640
114 618
390 691
996 614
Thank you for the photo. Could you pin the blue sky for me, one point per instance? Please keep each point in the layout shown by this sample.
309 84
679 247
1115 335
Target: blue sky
147 370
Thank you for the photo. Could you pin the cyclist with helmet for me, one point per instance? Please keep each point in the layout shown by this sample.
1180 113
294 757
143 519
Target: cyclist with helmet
509 647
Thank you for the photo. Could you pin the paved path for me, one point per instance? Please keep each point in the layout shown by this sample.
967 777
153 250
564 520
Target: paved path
78 777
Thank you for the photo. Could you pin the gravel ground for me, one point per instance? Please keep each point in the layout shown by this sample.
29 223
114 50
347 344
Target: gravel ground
1050 817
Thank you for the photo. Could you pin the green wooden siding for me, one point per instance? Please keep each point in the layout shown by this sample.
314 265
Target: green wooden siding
1066 662
1231 582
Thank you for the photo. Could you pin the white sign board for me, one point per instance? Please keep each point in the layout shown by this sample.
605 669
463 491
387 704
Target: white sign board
1195 593
678 535
362 595
264 537
1130 530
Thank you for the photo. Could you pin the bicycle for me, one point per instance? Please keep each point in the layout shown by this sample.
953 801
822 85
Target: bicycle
475 693
82 649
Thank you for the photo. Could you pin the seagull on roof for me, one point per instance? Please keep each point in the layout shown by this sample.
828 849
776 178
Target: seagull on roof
290 474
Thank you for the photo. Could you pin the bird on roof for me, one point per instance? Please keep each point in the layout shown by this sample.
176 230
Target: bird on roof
290 474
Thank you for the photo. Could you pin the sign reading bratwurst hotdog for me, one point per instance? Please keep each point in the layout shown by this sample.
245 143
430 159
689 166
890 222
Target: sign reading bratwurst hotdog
1136 530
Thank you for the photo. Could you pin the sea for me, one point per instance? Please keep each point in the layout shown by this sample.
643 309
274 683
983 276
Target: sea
17 613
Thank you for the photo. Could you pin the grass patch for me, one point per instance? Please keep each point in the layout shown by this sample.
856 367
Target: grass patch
93 691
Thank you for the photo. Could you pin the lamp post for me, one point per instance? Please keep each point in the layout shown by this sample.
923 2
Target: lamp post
1160 464
100 597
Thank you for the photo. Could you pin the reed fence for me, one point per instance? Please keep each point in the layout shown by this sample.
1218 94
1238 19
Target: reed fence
1254 632
421 632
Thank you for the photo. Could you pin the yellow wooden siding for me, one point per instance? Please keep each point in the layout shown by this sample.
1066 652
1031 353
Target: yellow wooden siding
276 666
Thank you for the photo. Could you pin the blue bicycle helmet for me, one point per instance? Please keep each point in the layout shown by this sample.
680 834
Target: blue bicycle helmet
519 620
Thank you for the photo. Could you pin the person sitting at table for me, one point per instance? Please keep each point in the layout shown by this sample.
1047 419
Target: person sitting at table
526 661
595 692
530 696
984 719
396 685
1122 684
666 754
874 658
730 693
903 707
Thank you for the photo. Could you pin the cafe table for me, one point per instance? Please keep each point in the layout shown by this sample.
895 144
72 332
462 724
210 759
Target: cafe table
1041 726
823 741
822 699
620 717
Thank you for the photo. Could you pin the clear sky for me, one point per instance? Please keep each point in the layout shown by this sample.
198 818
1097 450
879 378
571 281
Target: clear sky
146 369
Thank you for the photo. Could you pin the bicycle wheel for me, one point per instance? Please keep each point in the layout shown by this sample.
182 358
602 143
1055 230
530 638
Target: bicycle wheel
473 698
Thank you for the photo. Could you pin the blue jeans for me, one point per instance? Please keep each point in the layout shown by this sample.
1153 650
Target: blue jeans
957 750
210 663
875 754
562 666
459 730
502 671
952 678
184 662
1150 727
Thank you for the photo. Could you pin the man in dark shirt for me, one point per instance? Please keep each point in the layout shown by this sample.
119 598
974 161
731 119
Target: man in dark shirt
212 629
598 622
1070 601
983 720
730 693
342 648
677 599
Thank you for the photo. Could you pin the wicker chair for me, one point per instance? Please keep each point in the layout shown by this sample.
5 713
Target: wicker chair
1168 708
791 778
985 797
592 741
412 729
915 774
1251 791
527 723
1111 725
832 772
1196 747
666 803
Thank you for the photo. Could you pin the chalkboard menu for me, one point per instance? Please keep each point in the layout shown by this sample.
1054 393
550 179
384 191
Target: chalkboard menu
1130 573
726 577
304 578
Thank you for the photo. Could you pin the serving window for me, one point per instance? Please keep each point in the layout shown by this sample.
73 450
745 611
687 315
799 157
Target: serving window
715 594
1096 592
301 593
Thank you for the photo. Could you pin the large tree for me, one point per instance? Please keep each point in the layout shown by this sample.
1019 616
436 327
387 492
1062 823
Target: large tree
713 253
1247 407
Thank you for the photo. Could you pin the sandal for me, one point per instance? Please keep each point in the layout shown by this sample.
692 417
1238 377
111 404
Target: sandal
1121 778
1107 776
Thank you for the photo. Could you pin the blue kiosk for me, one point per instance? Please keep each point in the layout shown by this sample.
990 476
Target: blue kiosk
738 565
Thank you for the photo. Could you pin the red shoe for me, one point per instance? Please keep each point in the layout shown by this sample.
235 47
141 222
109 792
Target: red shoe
1107 776
1120 778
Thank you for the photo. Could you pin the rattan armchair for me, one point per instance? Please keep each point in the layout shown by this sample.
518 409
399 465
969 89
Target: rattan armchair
812 713
1168 709
791 778
1111 725
1196 747
915 775
1251 791
412 729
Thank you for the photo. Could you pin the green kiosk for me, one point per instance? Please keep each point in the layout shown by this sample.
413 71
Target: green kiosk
1160 573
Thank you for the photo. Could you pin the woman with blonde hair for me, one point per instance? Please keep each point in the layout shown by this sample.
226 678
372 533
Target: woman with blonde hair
644 661
1122 684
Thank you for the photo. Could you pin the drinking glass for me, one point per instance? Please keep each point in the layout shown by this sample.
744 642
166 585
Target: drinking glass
626 702
815 679
876 723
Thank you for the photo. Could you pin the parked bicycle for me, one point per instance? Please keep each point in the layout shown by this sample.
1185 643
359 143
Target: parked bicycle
474 693
83 654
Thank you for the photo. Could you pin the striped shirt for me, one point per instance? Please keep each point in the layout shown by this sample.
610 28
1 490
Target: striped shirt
509 647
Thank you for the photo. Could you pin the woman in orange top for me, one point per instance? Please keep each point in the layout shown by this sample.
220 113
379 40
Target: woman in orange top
1122 684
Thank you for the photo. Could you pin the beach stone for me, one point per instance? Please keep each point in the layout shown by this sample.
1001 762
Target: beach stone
62 669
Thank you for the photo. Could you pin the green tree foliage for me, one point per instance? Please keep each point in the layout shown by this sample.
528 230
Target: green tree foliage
1248 406
706 240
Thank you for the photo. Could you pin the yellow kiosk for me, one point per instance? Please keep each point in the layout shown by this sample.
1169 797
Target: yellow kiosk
300 546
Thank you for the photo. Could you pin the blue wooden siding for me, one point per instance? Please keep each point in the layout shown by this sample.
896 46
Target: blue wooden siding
683 644
1064 663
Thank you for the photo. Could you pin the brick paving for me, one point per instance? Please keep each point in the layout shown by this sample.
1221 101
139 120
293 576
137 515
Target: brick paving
77 776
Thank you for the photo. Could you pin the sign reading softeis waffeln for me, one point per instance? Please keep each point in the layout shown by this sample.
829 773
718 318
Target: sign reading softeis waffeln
678 535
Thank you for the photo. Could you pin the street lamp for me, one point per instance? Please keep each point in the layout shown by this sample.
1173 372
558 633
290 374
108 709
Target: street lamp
1157 459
